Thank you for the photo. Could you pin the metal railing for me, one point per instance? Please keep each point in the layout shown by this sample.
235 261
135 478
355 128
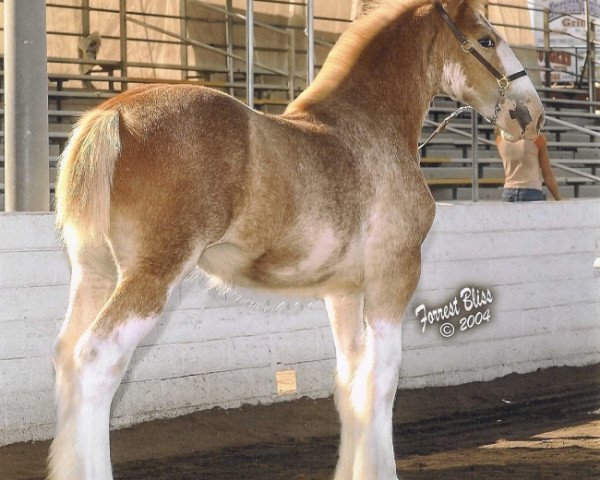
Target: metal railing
589 40
289 77
476 140
547 50
230 18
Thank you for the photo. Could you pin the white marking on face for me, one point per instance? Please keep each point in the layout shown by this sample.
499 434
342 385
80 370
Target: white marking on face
509 61
520 93
510 65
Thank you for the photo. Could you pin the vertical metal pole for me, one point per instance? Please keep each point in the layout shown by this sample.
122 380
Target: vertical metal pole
27 182
548 76
291 63
229 41
592 78
85 17
183 30
592 66
475 154
310 31
589 52
250 53
123 38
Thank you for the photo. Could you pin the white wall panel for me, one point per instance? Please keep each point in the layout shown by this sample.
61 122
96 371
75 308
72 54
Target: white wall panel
211 349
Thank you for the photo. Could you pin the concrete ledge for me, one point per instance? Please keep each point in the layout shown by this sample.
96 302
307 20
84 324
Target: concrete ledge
211 350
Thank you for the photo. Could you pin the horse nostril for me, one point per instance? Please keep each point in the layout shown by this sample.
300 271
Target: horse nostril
541 121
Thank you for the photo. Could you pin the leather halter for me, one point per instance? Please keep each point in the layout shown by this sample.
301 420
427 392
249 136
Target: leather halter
467 47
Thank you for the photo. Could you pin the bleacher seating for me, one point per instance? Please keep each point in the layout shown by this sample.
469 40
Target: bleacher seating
446 161
451 152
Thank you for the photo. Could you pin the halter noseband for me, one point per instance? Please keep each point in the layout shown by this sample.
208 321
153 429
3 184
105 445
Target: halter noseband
467 47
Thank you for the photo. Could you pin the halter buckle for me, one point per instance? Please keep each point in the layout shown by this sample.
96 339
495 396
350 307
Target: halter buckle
503 83
466 46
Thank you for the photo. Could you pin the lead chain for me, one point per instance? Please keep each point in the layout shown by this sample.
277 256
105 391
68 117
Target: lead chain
499 104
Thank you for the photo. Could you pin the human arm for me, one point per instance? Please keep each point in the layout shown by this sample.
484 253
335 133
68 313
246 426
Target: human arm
547 173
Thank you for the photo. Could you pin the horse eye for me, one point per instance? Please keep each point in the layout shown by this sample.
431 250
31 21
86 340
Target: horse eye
486 42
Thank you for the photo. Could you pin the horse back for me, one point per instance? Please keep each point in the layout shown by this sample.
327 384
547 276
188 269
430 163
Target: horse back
271 201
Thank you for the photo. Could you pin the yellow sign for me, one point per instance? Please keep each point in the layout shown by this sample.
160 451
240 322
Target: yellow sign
286 382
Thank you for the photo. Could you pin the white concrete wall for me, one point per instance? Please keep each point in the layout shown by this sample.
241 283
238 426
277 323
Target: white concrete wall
209 350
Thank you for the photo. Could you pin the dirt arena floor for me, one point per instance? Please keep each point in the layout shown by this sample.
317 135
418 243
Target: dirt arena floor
540 426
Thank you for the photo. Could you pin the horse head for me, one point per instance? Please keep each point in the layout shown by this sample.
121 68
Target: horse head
481 70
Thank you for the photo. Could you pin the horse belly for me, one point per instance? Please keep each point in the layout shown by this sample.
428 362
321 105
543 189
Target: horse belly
306 264
226 263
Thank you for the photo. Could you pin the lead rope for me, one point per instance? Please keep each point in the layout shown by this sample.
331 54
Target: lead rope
467 47
444 124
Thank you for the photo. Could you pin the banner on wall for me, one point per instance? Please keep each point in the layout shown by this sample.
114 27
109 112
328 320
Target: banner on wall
568 35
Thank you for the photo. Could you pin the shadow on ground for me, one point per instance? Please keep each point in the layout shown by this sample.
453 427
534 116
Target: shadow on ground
543 425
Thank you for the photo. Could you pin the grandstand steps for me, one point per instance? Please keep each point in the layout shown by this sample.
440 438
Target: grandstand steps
574 136
491 172
589 191
446 172
447 159
588 152
566 191
570 147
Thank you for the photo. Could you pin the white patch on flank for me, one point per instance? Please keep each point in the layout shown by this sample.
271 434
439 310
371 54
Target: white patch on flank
323 247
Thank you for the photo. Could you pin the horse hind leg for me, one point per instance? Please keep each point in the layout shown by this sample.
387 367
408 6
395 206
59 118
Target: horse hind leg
93 280
95 363
81 449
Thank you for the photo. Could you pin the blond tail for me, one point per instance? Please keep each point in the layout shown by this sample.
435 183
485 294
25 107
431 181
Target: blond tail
85 174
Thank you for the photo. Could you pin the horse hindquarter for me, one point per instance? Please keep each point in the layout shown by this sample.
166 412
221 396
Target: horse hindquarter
133 226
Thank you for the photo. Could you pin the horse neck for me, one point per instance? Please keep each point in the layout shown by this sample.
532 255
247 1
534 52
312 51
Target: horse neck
384 89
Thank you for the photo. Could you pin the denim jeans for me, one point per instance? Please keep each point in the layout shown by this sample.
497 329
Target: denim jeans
522 195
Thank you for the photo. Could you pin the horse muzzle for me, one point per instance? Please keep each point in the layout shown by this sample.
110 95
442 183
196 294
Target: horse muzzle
522 119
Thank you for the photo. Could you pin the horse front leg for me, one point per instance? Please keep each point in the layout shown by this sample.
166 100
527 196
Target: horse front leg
372 397
346 317
376 374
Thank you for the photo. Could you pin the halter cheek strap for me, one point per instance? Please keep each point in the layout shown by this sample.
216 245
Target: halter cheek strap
467 47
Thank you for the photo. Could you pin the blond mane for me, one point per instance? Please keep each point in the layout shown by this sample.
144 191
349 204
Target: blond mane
343 56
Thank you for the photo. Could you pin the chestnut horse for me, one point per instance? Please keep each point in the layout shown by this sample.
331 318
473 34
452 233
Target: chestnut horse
326 200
